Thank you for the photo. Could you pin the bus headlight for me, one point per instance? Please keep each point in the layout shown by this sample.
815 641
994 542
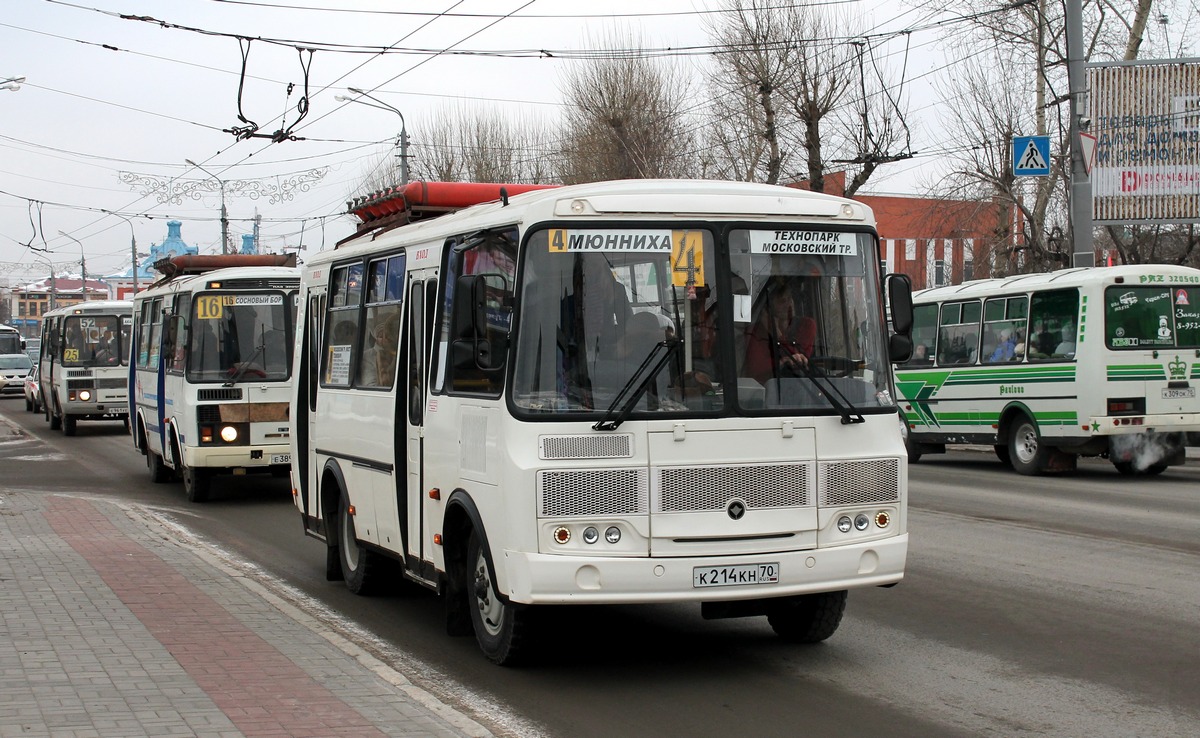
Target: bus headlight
85 395
613 534
590 534
229 434
861 522
844 524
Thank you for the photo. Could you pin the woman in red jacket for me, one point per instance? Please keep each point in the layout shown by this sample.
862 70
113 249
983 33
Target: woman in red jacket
780 342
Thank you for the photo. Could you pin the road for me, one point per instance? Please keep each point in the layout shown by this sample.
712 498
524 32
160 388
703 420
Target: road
1058 606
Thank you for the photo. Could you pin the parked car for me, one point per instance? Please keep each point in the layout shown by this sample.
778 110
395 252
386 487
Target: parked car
13 368
33 392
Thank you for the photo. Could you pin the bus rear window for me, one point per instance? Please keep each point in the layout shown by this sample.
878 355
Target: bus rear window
1152 317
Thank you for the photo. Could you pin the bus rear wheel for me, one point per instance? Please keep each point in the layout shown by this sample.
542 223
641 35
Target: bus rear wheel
501 627
808 618
1026 451
361 567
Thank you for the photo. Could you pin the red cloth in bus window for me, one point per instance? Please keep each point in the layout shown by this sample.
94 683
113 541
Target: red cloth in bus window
779 343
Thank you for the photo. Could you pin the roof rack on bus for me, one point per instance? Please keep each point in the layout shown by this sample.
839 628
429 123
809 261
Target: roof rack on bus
404 204
186 264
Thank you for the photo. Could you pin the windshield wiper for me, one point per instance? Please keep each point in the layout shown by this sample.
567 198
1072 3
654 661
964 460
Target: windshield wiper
843 406
636 387
245 365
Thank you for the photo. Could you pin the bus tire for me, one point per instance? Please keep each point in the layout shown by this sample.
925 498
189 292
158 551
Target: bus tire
54 418
501 627
197 484
361 567
1003 454
808 618
1026 451
70 424
160 473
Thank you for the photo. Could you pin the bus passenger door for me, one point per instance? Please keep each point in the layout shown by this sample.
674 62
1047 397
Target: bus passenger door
422 291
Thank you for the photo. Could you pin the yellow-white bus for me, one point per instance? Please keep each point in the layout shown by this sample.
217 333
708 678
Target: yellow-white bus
84 363
211 373
1049 367
577 396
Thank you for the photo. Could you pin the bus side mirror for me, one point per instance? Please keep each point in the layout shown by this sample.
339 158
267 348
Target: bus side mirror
900 348
474 330
899 289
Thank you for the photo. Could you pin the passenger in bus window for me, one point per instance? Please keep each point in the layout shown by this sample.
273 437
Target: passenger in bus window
1067 346
780 342
1006 348
378 366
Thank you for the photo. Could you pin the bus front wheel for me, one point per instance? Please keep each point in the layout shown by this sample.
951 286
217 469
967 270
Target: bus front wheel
500 626
69 425
197 484
808 618
160 473
361 567
1026 452
53 417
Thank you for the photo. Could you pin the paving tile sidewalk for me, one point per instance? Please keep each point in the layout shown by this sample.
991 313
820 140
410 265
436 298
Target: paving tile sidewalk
112 626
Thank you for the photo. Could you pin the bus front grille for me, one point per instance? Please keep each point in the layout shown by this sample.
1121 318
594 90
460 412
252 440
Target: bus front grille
586 447
219 393
710 488
859 482
580 492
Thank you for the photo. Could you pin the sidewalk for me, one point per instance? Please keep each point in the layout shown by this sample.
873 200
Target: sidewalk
113 624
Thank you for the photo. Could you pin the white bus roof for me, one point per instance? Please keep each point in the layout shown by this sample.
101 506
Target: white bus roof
1129 274
92 306
637 199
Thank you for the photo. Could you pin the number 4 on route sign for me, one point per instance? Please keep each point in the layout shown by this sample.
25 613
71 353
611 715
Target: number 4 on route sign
1031 156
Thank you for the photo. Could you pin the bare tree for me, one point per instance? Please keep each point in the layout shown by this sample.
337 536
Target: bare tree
792 78
626 117
483 145
1028 42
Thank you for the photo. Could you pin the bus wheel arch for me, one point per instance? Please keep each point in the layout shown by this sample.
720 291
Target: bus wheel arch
502 627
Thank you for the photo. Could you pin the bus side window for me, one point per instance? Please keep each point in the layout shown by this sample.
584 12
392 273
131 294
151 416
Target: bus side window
924 335
958 337
340 343
494 259
1052 318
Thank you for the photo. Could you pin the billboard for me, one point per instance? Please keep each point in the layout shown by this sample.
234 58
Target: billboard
1146 119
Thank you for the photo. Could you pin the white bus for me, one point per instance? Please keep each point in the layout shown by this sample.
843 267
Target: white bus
1050 367
83 366
575 396
211 374
11 341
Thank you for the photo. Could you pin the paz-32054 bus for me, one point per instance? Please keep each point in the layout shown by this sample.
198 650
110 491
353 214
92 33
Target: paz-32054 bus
84 363
622 392
1050 367
212 368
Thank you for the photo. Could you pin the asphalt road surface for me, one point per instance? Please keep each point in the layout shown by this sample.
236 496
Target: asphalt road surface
1051 606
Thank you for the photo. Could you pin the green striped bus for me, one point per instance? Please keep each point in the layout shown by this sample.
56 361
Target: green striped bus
1050 367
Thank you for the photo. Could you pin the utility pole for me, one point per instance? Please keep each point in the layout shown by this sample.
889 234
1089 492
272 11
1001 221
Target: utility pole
1083 252
82 263
224 212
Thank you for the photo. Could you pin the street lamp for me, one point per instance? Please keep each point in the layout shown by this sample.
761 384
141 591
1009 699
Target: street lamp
224 213
82 262
403 129
132 248
11 83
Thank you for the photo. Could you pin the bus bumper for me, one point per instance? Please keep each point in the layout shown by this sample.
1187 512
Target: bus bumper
108 410
539 579
237 457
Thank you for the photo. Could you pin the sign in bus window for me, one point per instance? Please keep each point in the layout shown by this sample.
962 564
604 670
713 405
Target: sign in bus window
1139 317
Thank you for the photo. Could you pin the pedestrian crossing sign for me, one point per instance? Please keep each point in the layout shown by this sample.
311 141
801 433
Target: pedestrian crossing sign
1031 156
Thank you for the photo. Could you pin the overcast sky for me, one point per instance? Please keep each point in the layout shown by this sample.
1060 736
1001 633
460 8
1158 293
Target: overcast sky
106 96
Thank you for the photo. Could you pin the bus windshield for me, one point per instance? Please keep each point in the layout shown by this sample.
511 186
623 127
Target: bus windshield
95 340
791 331
239 336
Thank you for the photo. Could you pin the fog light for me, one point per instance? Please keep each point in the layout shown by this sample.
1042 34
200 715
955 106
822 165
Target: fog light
85 396
590 535
613 534
229 434
562 534
861 522
882 519
844 524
